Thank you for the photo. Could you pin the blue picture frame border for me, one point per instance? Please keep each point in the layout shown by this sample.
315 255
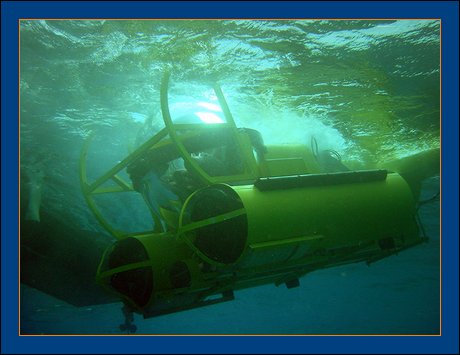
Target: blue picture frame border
12 11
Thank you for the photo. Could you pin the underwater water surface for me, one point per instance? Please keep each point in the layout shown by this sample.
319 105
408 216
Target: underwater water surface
366 89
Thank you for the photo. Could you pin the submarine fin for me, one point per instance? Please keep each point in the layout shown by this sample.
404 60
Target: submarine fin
416 168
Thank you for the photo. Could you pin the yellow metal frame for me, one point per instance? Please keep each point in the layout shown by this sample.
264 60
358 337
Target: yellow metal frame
251 170
92 189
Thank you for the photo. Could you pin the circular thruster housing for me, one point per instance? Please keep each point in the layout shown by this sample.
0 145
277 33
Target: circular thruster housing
135 283
221 236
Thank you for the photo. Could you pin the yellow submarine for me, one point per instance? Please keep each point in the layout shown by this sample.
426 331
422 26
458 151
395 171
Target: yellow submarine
238 213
